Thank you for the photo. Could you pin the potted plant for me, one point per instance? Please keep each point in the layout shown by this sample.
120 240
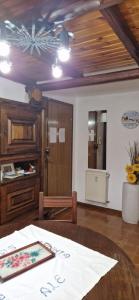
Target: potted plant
130 195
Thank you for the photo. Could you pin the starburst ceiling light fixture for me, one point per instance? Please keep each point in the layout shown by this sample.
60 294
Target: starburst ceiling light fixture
40 36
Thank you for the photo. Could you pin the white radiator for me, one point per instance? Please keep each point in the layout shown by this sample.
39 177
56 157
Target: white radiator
96 185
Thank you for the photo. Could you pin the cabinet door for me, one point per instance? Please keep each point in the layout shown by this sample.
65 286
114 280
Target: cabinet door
19 129
18 197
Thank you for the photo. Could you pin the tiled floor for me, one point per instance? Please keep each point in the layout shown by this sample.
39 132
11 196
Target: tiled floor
123 234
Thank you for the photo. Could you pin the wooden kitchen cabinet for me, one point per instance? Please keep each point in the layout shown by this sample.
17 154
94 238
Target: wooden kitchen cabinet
20 146
17 197
19 128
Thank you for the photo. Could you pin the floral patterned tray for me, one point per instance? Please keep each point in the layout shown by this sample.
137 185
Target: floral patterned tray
23 259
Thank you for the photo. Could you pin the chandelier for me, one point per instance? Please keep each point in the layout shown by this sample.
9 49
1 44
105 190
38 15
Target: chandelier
40 36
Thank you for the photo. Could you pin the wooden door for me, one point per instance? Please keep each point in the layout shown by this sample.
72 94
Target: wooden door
58 119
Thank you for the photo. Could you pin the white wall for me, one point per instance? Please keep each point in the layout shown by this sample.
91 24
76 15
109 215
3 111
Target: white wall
118 138
12 90
116 98
60 96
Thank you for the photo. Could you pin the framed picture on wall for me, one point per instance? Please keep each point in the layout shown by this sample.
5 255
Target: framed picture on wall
130 119
7 170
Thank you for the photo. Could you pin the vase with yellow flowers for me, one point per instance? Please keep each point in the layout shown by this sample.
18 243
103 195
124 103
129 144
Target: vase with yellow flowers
132 169
130 195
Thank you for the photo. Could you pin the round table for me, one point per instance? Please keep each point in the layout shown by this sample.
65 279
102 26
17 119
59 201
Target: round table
118 284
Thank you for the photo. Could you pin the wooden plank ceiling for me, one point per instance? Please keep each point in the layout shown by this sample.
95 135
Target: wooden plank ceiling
130 11
106 38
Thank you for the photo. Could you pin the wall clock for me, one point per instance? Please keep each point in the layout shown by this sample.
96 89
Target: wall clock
130 119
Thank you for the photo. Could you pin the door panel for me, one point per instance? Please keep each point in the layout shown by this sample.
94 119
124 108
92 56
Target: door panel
20 131
18 197
58 149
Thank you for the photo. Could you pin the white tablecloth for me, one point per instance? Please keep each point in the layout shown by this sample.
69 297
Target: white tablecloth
69 276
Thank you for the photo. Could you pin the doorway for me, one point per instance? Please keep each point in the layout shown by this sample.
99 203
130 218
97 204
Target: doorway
97 130
57 128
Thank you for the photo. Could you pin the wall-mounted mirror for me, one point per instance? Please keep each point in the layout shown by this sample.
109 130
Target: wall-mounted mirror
97 127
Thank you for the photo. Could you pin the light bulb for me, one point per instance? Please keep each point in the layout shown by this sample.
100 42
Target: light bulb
57 71
63 54
4 48
5 67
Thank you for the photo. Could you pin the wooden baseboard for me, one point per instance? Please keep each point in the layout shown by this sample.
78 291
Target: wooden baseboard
108 211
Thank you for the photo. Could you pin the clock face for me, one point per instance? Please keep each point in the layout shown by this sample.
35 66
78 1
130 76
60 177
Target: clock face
130 119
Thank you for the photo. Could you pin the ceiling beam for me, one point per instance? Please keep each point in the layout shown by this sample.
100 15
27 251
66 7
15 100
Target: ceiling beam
69 11
91 80
55 9
122 30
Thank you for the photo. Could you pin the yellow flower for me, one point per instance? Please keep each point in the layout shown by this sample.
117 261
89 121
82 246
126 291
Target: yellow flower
137 158
136 167
129 169
131 178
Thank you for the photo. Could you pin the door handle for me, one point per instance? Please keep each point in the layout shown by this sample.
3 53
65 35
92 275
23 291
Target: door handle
47 150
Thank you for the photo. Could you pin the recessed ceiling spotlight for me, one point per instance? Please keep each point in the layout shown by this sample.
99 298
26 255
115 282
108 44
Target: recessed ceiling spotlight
63 54
5 67
4 48
57 71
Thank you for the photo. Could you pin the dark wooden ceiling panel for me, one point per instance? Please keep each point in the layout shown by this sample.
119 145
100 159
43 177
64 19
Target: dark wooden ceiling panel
13 8
33 68
96 47
130 12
